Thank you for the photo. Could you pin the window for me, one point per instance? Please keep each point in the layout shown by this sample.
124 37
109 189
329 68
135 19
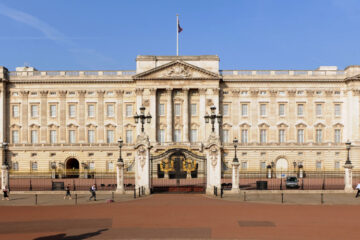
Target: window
262 165
193 109
129 136
72 136
337 110
129 110
318 135
262 109
226 109
281 109
318 109
110 110
34 136
72 111
91 110
109 136
16 166
337 136
34 111
300 135
15 136
337 165
244 110
281 136
92 166
52 136
34 166
177 135
193 135
262 92
15 111
318 165
225 135
244 165
244 93
300 109
262 136
52 110
244 136
161 109
161 136
91 136
110 166
177 109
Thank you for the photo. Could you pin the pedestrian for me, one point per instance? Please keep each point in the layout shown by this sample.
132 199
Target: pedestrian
68 194
93 192
6 193
358 190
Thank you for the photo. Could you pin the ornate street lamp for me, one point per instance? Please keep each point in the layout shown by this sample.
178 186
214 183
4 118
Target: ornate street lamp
294 164
120 142
142 118
212 117
5 146
348 145
235 141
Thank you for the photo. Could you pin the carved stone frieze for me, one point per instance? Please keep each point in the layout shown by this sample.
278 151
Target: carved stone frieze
178 71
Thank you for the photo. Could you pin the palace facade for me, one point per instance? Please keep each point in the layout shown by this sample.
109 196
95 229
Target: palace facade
281 118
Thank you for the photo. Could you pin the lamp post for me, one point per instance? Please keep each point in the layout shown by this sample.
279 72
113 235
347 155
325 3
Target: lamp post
142 117
348 169
120 170
212 117
235 172
294 164
348 146
5 146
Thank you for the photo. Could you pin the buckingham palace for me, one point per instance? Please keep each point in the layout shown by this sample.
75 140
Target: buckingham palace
280 118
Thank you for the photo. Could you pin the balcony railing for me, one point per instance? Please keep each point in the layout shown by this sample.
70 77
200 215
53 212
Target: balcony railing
281 72
71 73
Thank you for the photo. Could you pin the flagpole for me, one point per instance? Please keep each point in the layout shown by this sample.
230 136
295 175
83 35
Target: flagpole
177 35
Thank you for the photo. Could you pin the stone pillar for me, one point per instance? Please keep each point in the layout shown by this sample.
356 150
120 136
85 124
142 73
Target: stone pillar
139 103
43 116
169 116
152 110
186 115
301 172
63 113
4 177
142 162
100 128
24 116
119 114
235 177
348 177
213 162
82 116
120 177
202 111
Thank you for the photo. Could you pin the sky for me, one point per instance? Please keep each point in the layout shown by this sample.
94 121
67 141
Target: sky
245 34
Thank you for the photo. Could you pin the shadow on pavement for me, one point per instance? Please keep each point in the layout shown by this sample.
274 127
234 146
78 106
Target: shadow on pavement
62 236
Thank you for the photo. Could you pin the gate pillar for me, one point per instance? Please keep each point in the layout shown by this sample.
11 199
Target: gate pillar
142 162
4 177
213 162
348 177
120 177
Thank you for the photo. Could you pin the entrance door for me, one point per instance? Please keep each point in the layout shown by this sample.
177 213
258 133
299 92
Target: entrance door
72 168
281 168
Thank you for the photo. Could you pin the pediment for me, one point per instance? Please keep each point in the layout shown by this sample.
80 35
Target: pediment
176 70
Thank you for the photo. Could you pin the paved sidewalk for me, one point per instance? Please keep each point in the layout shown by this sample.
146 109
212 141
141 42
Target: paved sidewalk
32 199
306 198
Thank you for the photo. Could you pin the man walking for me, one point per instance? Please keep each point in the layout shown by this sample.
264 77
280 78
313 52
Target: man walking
93 192
358 190
68 194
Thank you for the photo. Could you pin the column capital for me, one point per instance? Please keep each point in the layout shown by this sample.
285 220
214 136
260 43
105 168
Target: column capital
254 92
100 93
356 92
328 93
62 93
81 93
119 93
273 93
310 93
24 93
44 93
152 91
215 90
139 91
169 91
186 89
235 92
291 93
202 91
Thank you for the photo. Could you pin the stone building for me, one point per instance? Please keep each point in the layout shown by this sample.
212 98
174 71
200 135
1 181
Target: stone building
282 118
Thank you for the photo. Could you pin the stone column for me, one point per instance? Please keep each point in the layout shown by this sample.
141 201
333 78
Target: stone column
169 116
235 177
273 115
152 110
253 116
120 177
100 129
139 103
63 112
119 114
202 111
186 115
348 177
4 177
43 116
292 116
213 162
142 162
309 113
82 116
24 116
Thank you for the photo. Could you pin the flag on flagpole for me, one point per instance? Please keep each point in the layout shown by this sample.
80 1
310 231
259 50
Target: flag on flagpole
179 28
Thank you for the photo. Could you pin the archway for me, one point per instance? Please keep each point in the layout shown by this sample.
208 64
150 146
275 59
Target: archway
72 168
282 166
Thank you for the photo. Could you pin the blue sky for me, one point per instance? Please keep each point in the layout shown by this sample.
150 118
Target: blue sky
109 34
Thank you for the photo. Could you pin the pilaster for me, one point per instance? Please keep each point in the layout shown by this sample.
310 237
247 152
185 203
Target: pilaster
100 129
292 116
43 116
186 114
119 113
202 111
153 106
169 115
62 129
24 116
81 94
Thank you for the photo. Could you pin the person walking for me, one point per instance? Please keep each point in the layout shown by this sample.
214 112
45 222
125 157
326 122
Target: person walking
358 190
6 193
93 192
68 194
